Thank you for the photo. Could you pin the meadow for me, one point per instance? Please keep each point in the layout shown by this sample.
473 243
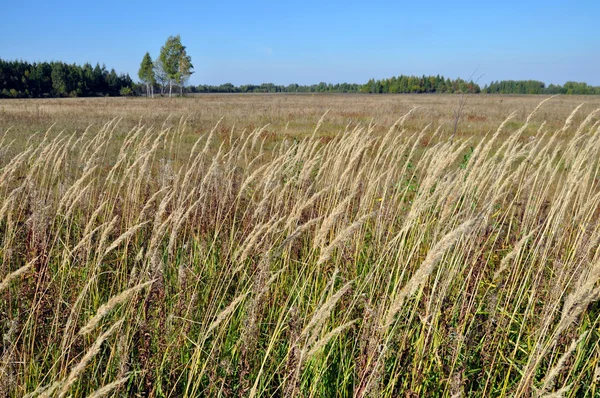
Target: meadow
299 245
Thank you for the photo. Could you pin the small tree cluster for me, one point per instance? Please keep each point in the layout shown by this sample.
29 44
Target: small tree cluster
420 84
173 66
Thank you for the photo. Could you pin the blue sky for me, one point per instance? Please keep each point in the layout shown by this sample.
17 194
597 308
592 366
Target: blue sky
313 41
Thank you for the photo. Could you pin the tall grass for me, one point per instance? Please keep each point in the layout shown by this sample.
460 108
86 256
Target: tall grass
367 265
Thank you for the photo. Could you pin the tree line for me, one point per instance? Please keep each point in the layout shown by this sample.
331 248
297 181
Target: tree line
537 87
401 84
20 79
407 85
173 67
278 88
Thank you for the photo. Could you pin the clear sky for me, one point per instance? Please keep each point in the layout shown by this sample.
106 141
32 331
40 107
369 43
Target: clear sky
312 41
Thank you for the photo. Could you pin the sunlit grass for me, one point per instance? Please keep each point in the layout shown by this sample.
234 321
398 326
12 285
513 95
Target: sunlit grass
373 263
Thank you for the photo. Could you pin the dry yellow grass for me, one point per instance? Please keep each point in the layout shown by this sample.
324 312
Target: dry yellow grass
366 258
292 115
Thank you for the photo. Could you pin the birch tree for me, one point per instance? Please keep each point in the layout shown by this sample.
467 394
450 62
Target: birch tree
175 62
146 74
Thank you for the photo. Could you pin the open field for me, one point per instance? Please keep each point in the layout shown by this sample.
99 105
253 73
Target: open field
299 113
150 250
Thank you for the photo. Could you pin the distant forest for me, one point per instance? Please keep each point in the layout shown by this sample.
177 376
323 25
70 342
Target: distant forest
537 87
20 79
394 85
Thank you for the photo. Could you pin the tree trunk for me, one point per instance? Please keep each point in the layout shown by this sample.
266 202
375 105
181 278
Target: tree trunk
152 90
147 90
170 87
181 89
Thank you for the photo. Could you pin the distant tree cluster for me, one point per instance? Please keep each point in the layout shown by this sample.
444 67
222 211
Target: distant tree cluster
537 87
420 84
172 67
20 79
400 84
274 88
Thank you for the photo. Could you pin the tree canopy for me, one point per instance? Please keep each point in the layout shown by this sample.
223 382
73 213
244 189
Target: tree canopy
176 63
537 87
20 79
146 73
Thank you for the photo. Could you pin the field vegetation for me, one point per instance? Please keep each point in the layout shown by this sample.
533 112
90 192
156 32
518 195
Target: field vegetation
261 246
